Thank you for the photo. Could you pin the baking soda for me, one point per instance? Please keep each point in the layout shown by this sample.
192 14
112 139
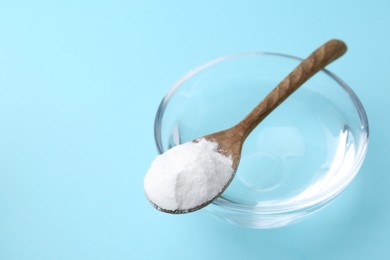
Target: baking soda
187 176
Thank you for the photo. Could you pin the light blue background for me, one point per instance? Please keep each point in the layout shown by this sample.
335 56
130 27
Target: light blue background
80 82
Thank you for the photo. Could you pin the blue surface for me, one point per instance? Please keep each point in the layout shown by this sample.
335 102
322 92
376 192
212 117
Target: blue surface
80 83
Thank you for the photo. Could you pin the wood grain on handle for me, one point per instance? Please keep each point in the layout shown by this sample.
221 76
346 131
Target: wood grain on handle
316 61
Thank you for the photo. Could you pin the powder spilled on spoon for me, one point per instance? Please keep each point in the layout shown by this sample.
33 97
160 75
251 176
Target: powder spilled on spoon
187 176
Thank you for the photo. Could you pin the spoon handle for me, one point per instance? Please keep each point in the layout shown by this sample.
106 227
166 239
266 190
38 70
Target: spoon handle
316 61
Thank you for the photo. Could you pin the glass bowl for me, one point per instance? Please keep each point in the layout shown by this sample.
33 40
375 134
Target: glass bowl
296 161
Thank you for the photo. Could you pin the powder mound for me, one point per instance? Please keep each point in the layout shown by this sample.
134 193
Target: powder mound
187 175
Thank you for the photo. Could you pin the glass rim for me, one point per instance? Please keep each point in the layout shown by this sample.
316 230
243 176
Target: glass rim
311 203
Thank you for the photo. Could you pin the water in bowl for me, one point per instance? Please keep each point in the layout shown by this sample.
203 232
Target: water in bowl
296 151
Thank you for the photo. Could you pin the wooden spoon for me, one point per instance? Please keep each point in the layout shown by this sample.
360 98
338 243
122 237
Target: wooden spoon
230 141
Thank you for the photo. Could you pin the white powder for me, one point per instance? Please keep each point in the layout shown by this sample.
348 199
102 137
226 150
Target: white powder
187 175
